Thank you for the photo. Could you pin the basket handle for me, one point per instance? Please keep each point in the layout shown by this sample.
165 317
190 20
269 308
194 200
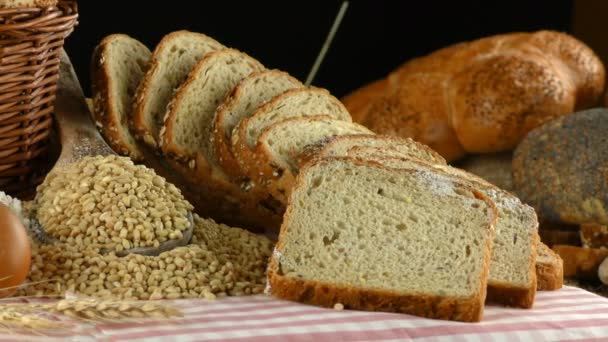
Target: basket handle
78 135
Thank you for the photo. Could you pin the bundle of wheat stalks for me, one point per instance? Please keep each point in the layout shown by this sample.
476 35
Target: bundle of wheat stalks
46 316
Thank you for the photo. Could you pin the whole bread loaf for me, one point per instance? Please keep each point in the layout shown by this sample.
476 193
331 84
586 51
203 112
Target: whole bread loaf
483 96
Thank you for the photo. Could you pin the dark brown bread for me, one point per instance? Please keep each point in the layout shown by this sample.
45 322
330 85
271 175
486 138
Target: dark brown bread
561 168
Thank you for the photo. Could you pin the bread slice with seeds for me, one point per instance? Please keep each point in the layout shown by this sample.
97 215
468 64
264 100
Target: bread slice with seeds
512 279
246 97
186 134
376 238
300 102
383 144
118 65
172 60
275 162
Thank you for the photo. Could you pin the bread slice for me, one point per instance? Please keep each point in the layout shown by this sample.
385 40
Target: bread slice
549 269
340 146
174 57
187 131
276 155
512 279
246 97
118 65
376 238
293 103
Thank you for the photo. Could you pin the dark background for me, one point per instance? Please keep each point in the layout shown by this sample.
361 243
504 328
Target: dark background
374 38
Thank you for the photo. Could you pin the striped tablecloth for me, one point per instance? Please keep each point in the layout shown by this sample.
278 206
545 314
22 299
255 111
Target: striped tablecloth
566 315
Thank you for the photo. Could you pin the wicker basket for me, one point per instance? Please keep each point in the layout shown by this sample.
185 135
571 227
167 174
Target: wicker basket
31 40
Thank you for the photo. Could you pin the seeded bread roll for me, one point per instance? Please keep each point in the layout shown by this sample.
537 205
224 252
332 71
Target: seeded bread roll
560 168
27 3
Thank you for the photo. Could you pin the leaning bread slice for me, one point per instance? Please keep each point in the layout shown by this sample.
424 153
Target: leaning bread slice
246 97
186 134
512 280
371 237
117 67
549 269
275 161
172 60
339 146
293 103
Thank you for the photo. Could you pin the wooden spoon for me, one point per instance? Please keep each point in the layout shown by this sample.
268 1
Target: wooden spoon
79 139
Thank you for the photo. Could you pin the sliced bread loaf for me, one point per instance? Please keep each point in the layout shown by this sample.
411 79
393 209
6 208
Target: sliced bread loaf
246 97
549 269
118 65
293 103
186 133
375 238
512 279
275 162
339 146
172 60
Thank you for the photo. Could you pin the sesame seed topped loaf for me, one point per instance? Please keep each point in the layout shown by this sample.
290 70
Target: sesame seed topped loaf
376 238
244 99
276 155
117 67
172 60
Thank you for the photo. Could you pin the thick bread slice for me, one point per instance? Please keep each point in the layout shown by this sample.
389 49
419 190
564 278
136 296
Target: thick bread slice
375 238
186 134
275 162
118 65
172 60
549 269
512 280
339 146
293 103
246 97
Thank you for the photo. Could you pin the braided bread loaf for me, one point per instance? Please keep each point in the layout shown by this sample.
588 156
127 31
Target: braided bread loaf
483 96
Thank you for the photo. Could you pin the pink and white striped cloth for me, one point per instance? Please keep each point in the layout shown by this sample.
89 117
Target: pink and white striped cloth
571 314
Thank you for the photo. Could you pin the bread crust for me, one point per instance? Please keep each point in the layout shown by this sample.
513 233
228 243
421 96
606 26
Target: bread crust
106 119
312 292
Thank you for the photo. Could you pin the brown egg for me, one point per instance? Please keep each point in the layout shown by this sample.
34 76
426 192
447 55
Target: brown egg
15 252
